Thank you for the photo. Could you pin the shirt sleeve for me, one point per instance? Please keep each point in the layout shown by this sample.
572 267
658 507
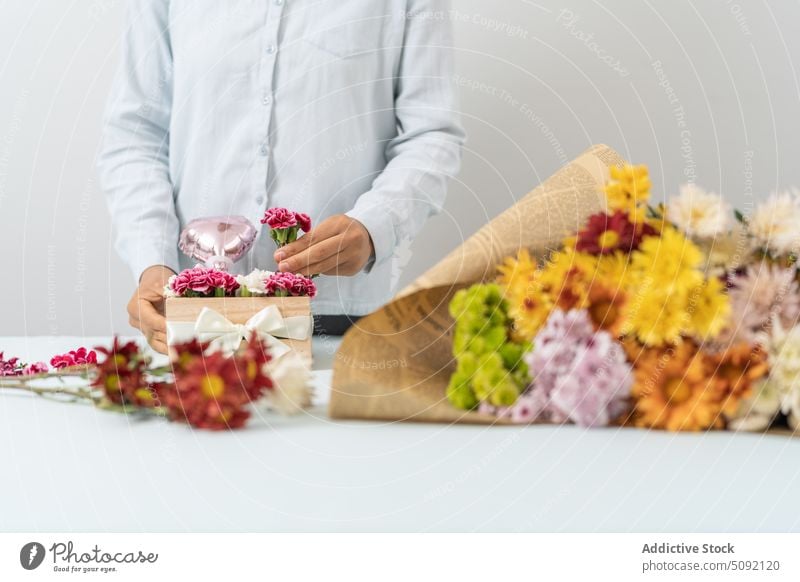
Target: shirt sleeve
427 149
133 161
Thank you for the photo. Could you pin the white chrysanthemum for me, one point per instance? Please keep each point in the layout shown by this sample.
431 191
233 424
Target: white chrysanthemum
784 364
254 282
774 224
699 213
292 389
755 414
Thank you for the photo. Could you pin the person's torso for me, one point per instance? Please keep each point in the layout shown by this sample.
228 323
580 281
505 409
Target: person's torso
283 103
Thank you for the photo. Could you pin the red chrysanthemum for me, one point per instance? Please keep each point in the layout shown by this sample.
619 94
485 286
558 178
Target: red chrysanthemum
605 234
212 391
122 375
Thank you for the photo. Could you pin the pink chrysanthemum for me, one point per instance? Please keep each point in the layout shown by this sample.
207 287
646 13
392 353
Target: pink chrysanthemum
580 375
760 293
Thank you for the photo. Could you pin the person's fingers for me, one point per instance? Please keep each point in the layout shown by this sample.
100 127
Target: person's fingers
316 253
294 248
151 318
158 337
329 266
328 228
158 345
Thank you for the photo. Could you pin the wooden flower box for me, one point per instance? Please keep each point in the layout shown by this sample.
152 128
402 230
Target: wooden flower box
237 310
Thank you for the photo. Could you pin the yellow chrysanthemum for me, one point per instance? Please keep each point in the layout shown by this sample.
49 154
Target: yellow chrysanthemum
613 270
709 309
669 263
629 190
655 317
528 304
517 272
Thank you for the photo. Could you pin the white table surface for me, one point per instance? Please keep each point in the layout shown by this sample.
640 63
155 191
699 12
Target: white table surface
72 468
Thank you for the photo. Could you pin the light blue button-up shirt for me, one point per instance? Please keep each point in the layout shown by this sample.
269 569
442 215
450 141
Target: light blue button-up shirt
229 107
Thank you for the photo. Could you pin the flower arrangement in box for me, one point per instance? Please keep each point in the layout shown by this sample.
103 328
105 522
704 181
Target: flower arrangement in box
680 317
210 304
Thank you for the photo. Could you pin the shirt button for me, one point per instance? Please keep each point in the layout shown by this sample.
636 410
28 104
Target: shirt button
259 200
271 49
278 2
266 100
264 150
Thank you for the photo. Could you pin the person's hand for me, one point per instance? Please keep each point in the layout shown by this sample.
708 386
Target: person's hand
340 245
146 307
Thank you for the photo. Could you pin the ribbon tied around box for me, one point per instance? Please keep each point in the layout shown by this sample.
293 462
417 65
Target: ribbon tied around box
226 336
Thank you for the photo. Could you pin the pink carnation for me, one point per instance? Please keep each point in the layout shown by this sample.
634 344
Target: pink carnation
202 281
10 367
279 218
289 284
303 220
35 368
79 357
579 374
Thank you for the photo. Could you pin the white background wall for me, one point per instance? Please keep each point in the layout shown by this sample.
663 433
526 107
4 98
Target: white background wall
541 81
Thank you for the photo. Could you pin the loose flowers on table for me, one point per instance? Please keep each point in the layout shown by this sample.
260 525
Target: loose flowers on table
647 316
201 387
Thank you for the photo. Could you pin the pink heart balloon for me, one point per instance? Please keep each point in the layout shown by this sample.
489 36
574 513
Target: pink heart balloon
218 241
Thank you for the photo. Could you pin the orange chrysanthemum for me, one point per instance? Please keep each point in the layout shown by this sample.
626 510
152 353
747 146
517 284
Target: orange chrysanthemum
672 391
735 371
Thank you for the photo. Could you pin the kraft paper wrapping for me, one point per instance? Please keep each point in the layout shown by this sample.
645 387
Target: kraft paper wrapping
396 362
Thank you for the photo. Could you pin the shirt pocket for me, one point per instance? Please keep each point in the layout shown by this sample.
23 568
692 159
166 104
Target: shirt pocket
352 30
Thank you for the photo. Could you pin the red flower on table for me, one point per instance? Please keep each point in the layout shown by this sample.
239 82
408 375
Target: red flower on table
605 234
79 357
122 375
212 391
10 367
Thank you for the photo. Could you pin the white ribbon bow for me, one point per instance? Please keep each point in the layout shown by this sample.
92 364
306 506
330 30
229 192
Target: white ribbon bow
226 336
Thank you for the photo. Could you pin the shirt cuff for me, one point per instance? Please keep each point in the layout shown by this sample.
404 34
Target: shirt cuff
380 228
150 255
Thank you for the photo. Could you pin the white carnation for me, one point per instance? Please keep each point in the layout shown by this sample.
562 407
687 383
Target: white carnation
254 281
699 213
774 224
168 292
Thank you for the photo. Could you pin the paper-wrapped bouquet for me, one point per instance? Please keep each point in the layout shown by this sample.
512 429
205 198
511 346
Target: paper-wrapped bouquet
587 303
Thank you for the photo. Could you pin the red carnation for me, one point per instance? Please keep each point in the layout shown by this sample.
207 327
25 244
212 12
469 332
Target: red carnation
9 367
303 220
79 357
279 218
605 234
203 282
289 284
